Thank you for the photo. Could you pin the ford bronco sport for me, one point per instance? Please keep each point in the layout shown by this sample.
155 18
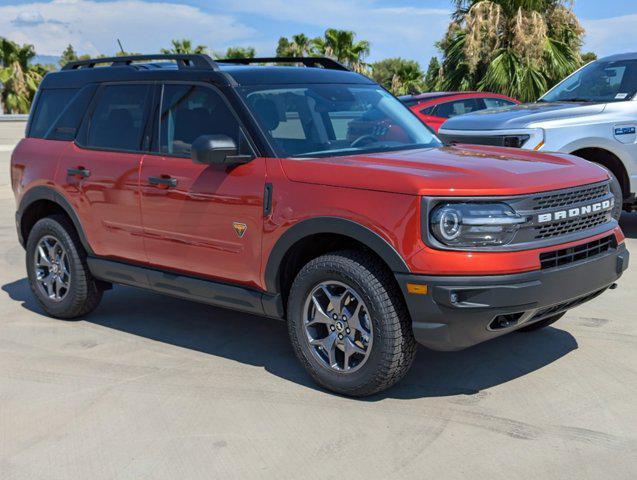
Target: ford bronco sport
306 193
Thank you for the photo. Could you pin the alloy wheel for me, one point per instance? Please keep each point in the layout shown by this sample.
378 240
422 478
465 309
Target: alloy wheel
338 326
52 271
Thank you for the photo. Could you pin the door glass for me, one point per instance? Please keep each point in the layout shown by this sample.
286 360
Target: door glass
458 107
119 118
189 111
497 102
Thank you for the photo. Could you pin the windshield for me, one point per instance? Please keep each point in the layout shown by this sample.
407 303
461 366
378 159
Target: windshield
325 120
597 82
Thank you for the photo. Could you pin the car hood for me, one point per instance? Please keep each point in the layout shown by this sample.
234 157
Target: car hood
457 171
521 116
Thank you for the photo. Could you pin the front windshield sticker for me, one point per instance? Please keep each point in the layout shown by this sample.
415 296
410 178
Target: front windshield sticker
621 96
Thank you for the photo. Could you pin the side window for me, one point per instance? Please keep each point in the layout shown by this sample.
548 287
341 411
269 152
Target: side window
428 110
190 111
66 125
119 117
50 105
458 107
497 102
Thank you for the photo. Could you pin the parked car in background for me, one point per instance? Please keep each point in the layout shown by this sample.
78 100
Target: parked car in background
435 108
591 114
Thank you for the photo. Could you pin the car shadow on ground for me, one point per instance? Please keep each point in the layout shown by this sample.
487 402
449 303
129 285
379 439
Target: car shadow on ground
264 342
628 222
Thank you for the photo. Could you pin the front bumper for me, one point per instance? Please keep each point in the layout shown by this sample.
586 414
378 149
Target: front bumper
458 312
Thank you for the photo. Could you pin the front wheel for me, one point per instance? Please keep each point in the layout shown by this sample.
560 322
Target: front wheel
348 324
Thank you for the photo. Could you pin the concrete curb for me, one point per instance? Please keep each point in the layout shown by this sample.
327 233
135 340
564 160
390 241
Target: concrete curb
13 118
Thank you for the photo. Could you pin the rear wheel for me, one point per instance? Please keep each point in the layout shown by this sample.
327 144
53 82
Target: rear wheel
542 323
348 324
57 270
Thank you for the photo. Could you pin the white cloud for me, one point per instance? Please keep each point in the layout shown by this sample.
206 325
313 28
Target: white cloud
93 27
145 26
607 36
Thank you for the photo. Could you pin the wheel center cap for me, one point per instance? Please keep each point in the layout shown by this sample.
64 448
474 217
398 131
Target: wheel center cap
55 269
339 326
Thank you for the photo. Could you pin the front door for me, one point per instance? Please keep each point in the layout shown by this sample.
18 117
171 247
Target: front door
203 220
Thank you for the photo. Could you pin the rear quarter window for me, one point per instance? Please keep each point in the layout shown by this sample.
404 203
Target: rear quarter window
51 103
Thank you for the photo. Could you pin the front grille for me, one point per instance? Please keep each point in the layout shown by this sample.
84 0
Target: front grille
565 227
555 309
491 140
565 200
565 256
569 197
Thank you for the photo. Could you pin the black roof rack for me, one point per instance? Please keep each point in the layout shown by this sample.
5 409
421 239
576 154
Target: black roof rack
307 61
182 60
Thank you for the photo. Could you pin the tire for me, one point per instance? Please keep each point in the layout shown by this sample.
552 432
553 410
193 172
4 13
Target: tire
382 319
542 323
82 293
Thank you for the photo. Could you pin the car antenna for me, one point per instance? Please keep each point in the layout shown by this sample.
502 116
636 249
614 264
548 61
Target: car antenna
120 47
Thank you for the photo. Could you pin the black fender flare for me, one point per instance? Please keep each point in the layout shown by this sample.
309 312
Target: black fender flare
336 225
42 192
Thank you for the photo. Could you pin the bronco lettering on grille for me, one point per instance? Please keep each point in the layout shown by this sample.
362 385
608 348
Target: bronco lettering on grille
576 211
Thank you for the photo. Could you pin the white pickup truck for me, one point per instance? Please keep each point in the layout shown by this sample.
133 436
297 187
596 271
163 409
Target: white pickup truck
591 114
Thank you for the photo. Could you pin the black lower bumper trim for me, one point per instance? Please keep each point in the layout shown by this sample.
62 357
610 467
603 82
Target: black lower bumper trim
457 311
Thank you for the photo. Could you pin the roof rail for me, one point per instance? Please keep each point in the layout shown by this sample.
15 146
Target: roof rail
182 60
307 61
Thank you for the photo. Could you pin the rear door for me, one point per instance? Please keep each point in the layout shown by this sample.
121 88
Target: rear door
100 171
203 220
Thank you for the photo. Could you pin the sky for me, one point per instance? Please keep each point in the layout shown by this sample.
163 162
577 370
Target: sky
407 28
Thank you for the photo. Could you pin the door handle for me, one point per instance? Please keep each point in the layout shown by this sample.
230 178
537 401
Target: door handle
80 172
163 181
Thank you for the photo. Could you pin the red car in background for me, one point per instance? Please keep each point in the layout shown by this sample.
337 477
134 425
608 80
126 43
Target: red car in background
434 108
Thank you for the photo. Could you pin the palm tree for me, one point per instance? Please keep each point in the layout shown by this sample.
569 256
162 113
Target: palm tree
184 46
341 46
19 79
398 75
300 45
516 47
238 52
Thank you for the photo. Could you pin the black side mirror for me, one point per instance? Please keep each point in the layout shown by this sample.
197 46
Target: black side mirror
216 150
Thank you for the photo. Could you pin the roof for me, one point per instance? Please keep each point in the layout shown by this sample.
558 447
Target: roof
428 95
234 72
421 97
620 56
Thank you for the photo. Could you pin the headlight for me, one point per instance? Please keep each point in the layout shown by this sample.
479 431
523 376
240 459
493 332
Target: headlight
474 224
616 190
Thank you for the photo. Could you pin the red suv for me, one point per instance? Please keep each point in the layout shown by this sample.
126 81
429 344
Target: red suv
435 108
308 194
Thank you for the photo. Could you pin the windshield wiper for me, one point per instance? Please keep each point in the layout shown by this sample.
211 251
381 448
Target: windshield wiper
575 99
